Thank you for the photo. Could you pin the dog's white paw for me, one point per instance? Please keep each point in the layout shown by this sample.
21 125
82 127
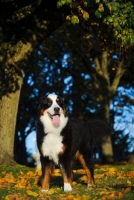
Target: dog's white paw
67 187
90 185
44 191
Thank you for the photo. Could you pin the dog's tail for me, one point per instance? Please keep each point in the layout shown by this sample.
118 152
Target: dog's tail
99 129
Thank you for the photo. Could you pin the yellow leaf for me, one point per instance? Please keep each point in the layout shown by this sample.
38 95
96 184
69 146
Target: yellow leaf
20 185
112 169
85 197
31 193
129 182
14 196
30 173
104 192
74 183
7 198
38 172
51 191
120 177
9 178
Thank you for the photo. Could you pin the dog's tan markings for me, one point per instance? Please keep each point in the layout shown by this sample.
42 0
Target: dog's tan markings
42 111
65 178
63 150
41 150
90 180
46 179
64 111
49 101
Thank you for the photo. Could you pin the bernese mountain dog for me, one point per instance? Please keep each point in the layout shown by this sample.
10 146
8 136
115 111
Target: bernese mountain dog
60 140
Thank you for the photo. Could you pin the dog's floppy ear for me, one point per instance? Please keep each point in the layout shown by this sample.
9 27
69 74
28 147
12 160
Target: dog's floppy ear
62 105
42 101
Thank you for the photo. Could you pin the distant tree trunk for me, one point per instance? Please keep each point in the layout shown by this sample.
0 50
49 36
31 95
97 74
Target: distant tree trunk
8 112
107 149
107 89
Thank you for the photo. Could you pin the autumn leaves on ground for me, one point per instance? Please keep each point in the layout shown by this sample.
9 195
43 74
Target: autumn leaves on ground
112 182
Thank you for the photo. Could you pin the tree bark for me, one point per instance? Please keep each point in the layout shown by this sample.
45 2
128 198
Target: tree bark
8 112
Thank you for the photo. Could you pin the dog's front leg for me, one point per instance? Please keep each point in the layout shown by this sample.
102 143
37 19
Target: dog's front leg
47 169
67 175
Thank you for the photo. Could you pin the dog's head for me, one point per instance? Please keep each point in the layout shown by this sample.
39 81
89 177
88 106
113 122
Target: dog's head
52 106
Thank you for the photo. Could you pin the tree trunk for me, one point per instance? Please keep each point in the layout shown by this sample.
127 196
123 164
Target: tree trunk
8 112
107 149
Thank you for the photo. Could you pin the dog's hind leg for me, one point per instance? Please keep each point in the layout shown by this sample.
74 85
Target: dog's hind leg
87 163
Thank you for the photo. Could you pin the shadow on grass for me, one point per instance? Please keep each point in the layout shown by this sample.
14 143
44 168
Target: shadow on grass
123 186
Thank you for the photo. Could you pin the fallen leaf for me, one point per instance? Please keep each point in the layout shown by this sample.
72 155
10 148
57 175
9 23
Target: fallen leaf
21 183
74 183
9 178
99 175
51 191
16 197
121 195
130 174
80 171
31 193
129 182
104 192
38 172
31 174
127 189
120 177
112 169
113 195
85 197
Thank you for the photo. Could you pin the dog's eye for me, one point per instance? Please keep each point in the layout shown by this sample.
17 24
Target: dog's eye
58 101
49 102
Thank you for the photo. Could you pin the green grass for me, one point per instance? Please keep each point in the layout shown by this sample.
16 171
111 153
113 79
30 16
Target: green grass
112 182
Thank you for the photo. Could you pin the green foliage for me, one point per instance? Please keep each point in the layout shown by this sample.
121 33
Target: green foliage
118 14
122 19
63 2
98 14
74 19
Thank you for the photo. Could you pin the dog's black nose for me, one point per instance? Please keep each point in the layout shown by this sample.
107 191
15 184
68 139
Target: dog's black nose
56 109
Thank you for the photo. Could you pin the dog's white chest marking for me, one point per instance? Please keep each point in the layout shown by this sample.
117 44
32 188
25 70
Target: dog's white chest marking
52 146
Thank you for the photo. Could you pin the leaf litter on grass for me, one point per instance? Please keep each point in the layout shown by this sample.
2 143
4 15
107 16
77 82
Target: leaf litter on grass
112 182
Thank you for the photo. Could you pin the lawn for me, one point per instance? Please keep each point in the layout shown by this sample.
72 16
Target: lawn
112 182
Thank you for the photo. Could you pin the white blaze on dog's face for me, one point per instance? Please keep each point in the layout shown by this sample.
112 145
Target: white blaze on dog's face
54 111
